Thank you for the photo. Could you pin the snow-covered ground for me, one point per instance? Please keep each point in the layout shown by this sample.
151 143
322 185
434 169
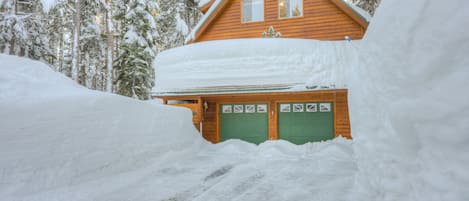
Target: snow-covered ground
409 105
409 112
59 141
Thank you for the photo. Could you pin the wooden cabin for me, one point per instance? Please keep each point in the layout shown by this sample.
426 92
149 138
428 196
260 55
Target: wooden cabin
260 112
309 19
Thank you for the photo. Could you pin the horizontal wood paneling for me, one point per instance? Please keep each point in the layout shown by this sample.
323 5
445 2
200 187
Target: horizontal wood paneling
209 120
321 20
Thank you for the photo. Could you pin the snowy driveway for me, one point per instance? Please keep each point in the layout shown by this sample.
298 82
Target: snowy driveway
231 171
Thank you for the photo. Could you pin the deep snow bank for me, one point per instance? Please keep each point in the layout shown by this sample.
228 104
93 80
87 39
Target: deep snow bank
409 105
252 62
73 144
56 134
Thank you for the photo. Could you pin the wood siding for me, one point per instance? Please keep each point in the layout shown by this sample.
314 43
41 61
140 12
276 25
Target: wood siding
321 20
210 130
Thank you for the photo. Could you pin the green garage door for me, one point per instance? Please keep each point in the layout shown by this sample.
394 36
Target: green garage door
300 123
248 122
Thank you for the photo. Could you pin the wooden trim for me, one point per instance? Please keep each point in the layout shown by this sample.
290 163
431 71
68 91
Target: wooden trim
335 115
273 122
295 17
212 17
207 6
218 123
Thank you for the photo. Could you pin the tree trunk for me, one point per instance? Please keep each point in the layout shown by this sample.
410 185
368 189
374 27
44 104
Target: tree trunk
110 46
76 40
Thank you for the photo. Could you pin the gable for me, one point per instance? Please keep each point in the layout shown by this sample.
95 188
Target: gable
322 20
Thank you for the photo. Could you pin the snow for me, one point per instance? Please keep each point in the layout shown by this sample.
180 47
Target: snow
409 107
362 13
181 25
71 144
409 113
48 4
203 2
252 62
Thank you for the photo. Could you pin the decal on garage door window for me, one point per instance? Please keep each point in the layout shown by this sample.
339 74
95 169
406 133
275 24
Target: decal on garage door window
262 108
250 108
285 107
298 107
311 107
238 108
325 107
227 109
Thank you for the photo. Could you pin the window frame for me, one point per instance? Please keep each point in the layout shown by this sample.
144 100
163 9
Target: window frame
248 22
292 17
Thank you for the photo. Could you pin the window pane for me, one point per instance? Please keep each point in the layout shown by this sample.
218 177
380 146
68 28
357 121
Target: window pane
253 10
290 8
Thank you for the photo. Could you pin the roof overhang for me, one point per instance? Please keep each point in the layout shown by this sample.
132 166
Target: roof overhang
204 8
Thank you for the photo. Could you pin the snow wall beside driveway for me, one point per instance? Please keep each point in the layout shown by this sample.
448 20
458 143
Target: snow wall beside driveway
409 102
56 134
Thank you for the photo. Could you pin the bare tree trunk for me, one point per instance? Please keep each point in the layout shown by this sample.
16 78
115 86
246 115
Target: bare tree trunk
13 38
110 46
76 40
61 50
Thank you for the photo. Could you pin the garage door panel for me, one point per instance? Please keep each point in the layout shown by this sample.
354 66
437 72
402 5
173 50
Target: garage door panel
307 125
248 124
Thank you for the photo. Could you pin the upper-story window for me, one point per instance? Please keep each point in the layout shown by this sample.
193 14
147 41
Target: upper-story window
290 8
253 10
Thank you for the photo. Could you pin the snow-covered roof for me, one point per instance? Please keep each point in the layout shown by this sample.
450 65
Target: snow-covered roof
346 6
242 65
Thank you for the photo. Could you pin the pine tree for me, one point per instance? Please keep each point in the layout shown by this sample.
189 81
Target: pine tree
91 44
168 34
23 29
76 38
367 5
135 74
59 26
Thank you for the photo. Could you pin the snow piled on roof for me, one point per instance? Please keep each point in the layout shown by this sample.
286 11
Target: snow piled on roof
252 62
409 103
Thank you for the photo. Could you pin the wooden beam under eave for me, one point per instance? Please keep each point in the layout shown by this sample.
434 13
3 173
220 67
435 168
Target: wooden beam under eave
207 6
212 17
352 14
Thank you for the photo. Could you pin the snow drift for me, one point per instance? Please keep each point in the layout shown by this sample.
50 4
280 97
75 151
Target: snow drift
56 134
61 142
409 107
247 62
